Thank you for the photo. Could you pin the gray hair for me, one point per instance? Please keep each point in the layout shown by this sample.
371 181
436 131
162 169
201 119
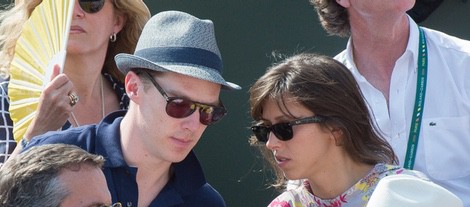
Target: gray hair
333 17
32 178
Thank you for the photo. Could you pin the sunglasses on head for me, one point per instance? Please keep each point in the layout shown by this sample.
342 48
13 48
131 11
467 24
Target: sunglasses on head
177 107
283 131
91 6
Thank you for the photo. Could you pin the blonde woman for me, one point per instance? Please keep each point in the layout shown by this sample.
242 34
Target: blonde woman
100 29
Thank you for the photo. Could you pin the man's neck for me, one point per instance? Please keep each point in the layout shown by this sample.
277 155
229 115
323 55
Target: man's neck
376 50
151 180
152 174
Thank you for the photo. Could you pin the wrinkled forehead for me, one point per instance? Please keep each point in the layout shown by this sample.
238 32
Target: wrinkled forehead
86 185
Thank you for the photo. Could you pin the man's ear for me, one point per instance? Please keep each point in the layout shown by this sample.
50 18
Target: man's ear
133 85
343 3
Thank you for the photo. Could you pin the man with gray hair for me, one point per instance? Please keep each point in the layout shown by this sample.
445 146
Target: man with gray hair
415 81
173 80
54 175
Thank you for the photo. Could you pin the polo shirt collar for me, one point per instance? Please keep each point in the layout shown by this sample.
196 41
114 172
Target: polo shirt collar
187 175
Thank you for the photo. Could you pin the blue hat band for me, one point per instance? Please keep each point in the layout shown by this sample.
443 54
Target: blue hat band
185 55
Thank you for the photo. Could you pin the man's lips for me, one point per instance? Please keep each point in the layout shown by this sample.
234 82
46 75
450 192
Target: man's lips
181 142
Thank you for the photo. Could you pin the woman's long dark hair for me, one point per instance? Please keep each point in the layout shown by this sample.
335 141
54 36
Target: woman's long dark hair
326 87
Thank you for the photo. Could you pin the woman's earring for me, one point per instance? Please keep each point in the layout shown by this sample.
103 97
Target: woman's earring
113 37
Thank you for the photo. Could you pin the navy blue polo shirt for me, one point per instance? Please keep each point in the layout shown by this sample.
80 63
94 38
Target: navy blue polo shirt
186 187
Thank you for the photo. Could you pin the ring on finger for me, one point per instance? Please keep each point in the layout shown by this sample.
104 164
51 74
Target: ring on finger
73 98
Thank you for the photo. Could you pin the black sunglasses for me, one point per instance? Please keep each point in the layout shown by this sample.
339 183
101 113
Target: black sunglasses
91 6
180 107
283 131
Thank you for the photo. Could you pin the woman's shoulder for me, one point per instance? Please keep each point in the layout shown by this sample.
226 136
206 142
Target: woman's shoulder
4 89
293 198
4 84
386 170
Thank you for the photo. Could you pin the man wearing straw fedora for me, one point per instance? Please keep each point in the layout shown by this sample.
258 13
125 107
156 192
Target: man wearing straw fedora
173 81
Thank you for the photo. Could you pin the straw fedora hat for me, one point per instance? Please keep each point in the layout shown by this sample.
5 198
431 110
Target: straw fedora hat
174 41
409 191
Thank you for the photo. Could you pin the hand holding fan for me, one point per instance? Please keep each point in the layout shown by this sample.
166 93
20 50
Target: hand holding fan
41 45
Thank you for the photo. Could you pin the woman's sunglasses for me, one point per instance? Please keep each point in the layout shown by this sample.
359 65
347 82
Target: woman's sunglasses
180 108
283 131
91 6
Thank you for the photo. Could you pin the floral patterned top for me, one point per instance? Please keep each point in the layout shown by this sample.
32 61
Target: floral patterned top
357 195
